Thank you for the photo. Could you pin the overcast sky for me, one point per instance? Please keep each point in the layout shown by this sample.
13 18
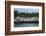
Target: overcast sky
27 10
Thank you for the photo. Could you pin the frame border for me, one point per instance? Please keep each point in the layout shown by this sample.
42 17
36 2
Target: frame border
8 16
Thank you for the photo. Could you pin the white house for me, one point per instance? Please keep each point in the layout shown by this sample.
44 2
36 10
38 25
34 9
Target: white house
26 19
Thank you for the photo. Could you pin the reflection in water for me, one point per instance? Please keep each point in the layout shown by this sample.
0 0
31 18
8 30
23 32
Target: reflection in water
26 24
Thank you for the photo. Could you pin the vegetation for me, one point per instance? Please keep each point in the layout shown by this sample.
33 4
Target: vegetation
25 14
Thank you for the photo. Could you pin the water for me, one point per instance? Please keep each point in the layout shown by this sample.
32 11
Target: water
26 25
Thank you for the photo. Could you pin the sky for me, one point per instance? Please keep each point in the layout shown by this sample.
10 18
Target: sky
20 10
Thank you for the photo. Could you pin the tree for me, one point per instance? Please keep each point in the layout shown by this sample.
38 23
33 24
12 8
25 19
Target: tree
15 13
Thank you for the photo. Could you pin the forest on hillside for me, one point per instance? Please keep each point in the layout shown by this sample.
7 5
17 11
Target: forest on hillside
22 14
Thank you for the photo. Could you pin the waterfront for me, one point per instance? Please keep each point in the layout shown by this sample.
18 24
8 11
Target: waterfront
26 17
26 22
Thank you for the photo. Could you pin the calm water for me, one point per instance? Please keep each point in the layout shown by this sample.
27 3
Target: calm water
26 25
